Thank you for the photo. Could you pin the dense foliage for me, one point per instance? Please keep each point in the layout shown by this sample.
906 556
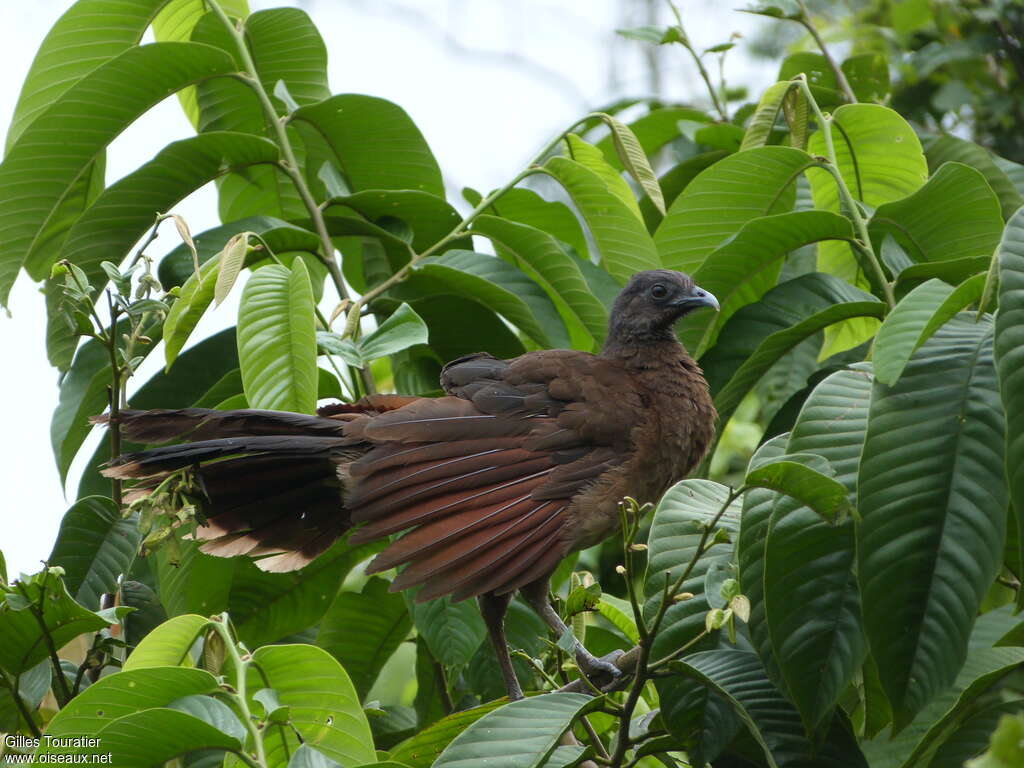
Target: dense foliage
844 596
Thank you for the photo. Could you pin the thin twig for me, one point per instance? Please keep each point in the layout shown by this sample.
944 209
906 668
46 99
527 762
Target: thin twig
37 611
20 704
844 84
685 42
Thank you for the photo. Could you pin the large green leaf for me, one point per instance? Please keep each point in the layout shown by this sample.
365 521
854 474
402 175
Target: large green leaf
324 708
22 628
620 235
762 122
759 334
716 204
421 750
552 267
95 546
115 696
194 582
742 270
879 157
494 283
69 134
1009 353
90 33
269 606
169 644
954 216
527 207
521 734
915 318
674 181
949 148
452 631
758 505
811 601
679 521
383 621
147 738
653 130
277 339
771 720
984 667
590 157
933 506
374 143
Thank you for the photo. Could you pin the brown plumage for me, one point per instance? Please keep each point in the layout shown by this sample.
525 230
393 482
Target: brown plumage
523 462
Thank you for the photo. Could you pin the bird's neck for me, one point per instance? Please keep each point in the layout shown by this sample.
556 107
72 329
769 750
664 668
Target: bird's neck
647 350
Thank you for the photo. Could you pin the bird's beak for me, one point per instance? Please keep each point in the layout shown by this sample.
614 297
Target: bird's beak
697 297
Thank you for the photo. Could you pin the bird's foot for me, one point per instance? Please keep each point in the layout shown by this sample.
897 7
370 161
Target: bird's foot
600 671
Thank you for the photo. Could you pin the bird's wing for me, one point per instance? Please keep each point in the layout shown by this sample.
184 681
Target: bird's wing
484 476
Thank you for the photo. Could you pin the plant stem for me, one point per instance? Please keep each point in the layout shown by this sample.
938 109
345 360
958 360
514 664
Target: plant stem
13 686
61 687
863 241
114 420
844 84
685 42
222 627
289 165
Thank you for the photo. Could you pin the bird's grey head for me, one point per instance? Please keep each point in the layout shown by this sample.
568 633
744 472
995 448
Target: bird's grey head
652 302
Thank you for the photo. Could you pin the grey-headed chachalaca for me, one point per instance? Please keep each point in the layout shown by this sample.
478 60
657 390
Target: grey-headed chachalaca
523 462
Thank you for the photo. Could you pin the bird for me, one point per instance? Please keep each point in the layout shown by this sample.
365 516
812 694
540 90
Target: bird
519 464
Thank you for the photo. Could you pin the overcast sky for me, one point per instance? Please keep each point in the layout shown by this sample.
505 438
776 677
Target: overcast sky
487 82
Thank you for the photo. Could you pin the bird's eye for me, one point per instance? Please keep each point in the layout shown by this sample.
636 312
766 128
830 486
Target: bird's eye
659 291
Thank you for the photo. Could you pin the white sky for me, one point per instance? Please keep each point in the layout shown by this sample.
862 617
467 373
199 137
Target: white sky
487 82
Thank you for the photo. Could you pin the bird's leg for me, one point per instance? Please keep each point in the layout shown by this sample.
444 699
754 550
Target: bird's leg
600 671
493 608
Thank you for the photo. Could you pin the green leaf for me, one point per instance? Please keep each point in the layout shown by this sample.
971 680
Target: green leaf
679 522
176 22
115 696
954 216
25 644
879 157
307 757
551 267
197 583
759 334
1009 354
269 606
89 34
276 339
383 621
621 238
771 720
948 148
590 157
633 157
495 284
808 630
69 134
169 644
421 750
674 181
620 614
972 736
213 712
147 738
95 546
325 710
794 475
374 143
452 631
742 270
716 204
915 318
984 669
762 123
230 263
819 73
403 329
521 734
930 541
525 206
868 76
1005 749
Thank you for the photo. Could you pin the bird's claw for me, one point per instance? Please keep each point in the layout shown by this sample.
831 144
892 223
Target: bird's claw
601 671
